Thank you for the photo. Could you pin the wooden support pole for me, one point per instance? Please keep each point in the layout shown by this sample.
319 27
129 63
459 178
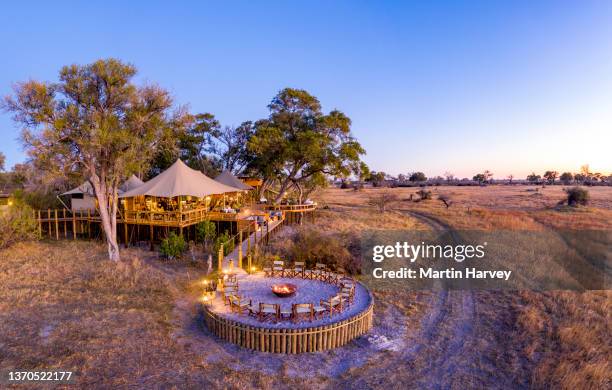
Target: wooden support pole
74 225
49 222
39 225
240 249
56 226
65 223
249 263
89 223
220 258
151 236
125 233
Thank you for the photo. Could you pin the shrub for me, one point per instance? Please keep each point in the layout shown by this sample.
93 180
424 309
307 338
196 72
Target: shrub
424 194
312 246
444 198
17 224
205 232
173 246
382 200
227 241
577 196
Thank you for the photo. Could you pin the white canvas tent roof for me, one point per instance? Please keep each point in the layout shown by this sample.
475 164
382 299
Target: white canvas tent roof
87 189
131 183
84 188
179 180
227 178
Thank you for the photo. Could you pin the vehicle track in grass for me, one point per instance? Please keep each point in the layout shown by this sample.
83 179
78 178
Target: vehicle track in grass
462 342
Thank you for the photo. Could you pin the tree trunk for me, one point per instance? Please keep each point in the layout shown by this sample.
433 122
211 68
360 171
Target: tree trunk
281 192
108 215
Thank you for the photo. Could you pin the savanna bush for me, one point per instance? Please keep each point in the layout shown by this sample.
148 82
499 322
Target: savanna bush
17 223
577 196
173 246
312 246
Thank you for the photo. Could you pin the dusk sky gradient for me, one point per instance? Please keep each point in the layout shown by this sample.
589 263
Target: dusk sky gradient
430 86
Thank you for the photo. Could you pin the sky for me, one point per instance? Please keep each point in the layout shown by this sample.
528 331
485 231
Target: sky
512 87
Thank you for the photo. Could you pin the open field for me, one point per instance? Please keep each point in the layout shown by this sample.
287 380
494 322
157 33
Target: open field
137 323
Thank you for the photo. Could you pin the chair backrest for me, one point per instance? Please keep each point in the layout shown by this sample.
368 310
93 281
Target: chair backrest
320 266
264 306
335 300
298 264
279 263
307 306
234 299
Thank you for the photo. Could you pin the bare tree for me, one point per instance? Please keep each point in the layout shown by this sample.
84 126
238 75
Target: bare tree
382 200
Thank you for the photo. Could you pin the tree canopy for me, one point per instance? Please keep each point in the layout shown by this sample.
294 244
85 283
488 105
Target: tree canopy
97 122
298 141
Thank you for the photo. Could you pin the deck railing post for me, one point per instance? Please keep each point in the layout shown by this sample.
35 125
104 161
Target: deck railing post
220 258
240 249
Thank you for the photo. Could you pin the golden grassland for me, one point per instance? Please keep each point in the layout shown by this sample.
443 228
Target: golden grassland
136 324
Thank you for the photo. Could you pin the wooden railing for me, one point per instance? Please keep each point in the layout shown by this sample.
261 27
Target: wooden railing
290 340
296 208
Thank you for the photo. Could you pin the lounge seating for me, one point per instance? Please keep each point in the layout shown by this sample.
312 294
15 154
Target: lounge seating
333 305
228 291
269 311
278 268
238 305
298 269
302 311
320 272
348 294
267 272
319 311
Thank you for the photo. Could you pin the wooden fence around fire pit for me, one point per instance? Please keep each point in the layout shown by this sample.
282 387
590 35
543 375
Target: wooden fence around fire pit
289 340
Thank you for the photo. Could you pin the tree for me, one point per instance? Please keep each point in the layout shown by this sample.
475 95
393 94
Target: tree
298 141
488 175
97 122
450 177
533 178
418 177
446 199
566 178
363 172
510 178
2 161
382 200
377 178
480 178
402 178
192 142
551 176
205 232
231 146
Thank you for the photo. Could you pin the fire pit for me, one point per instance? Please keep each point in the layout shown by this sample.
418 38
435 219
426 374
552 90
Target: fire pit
284 290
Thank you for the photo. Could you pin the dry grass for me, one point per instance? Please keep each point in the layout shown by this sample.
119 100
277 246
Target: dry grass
135 324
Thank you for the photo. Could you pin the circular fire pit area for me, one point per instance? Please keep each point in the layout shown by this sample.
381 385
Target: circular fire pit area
290 310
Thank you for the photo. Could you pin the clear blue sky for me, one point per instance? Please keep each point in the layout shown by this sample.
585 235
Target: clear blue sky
506 86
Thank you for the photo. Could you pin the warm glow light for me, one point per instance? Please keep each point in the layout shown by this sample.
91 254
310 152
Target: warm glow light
10 202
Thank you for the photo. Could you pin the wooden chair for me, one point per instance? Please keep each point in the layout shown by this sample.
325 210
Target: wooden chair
268 311
333 305
285 314
348 294
302 310
320 272
228 291
231 279
267 271
319 311
253 310
298 269
238 305
278 268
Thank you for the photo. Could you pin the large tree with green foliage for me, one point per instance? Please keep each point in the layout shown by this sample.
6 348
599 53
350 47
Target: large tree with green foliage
97 122
2 161
298 141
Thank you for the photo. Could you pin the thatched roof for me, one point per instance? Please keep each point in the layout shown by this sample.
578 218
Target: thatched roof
227 178
179 180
